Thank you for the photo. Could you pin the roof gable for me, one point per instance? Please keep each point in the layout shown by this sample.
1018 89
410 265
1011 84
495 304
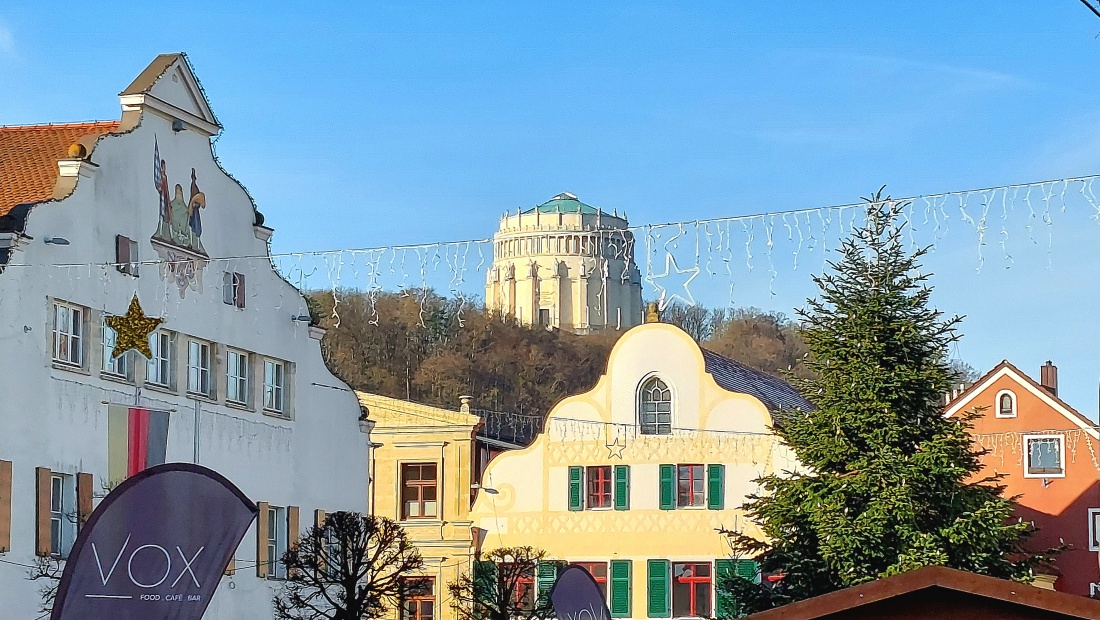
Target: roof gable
168 86
29 156
393 412
1007 369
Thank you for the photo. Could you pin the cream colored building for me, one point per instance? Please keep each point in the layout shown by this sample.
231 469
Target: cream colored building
565 264
634 477
421 477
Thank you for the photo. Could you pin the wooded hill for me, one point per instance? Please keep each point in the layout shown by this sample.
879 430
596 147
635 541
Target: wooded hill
420 346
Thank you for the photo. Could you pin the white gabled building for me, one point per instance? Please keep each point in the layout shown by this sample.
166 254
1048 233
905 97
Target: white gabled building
92 215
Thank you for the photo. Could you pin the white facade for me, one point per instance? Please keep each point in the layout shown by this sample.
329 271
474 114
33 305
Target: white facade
565 264
311 455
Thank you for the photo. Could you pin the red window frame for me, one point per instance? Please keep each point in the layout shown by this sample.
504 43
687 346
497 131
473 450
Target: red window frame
525 590
694 582
418 602
690 487
416 490
598 570
599 483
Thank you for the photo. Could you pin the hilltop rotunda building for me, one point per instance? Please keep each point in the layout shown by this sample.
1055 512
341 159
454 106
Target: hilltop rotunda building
565 264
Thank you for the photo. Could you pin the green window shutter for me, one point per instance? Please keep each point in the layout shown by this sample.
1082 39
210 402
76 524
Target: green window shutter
485 578
576 488
747 569
716 487
622 487
668 487
657 578
620 588
725 603
545 575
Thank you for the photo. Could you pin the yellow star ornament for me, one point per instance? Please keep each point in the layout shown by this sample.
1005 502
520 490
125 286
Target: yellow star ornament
132 330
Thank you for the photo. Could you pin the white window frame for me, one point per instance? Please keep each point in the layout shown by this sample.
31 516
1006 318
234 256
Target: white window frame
235 392
62 513
276 541
121 367
640 404
1061 454
997 404
277 391
1094 529
74 333
196 372
162 362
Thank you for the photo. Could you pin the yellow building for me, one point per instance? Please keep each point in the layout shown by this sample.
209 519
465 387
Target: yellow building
634 477
421 478
565 264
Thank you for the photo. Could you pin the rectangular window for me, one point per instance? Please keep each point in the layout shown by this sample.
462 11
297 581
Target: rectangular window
233 289
276 542
691 590
418 599
274 385
236 388
599 487
598 570
199 366
68 334
690 489
62 514
1044 456
126 255
418 491
160 364
525 589
1094 529
121 366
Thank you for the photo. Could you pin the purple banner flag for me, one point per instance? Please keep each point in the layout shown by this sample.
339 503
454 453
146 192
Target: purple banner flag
155 548
576 596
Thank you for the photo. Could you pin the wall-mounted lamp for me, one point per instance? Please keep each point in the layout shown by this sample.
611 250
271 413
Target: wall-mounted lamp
56 241
490 490
302 318
177 125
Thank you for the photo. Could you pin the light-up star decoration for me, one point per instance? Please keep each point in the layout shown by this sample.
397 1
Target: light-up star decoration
132 330
677 278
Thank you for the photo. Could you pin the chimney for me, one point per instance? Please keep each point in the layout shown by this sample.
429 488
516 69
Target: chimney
1048 378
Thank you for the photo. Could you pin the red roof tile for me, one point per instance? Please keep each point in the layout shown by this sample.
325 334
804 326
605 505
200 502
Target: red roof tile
29 155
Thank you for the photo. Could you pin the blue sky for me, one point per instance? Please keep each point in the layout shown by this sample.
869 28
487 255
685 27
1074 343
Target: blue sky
389 124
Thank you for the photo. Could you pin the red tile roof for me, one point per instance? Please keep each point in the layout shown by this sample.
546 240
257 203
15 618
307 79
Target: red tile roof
29 155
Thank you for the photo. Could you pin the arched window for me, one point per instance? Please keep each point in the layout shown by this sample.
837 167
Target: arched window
655 407
1006 404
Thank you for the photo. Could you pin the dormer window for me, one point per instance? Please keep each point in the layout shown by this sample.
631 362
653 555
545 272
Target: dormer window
655 407
1006 404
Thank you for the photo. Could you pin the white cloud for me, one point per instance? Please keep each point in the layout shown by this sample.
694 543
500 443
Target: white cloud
7 40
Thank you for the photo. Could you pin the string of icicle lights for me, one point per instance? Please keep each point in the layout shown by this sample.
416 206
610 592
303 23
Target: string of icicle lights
678 260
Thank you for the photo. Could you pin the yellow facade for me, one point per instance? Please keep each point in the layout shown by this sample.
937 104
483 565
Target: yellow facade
526 495
408 438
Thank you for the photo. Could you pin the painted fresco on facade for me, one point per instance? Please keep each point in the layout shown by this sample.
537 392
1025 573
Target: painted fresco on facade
178 239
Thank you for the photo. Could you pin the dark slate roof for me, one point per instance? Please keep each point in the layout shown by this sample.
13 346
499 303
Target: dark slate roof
775 393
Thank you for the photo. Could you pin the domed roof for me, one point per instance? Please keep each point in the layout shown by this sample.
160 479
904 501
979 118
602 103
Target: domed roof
566 203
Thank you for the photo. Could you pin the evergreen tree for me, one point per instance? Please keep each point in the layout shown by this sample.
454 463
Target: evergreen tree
888 483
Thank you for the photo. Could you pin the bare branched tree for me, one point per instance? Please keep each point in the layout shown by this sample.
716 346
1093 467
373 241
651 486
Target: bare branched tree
351 568
47 569
502 587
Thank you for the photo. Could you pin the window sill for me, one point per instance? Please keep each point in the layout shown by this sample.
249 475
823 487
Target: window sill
420 522
156 387
271 413
200 396
80 370
110 376
1061 474
232 404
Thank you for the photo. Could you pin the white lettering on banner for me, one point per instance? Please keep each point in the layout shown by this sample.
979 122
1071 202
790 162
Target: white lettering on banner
167 566
188 567
107 577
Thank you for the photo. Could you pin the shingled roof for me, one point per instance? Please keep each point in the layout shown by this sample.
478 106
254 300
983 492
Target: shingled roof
29 156
775 393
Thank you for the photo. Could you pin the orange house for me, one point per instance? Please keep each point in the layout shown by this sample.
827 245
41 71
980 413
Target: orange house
1048 454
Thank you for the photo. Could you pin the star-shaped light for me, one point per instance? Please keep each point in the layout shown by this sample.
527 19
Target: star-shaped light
676 275
132 330
615 450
